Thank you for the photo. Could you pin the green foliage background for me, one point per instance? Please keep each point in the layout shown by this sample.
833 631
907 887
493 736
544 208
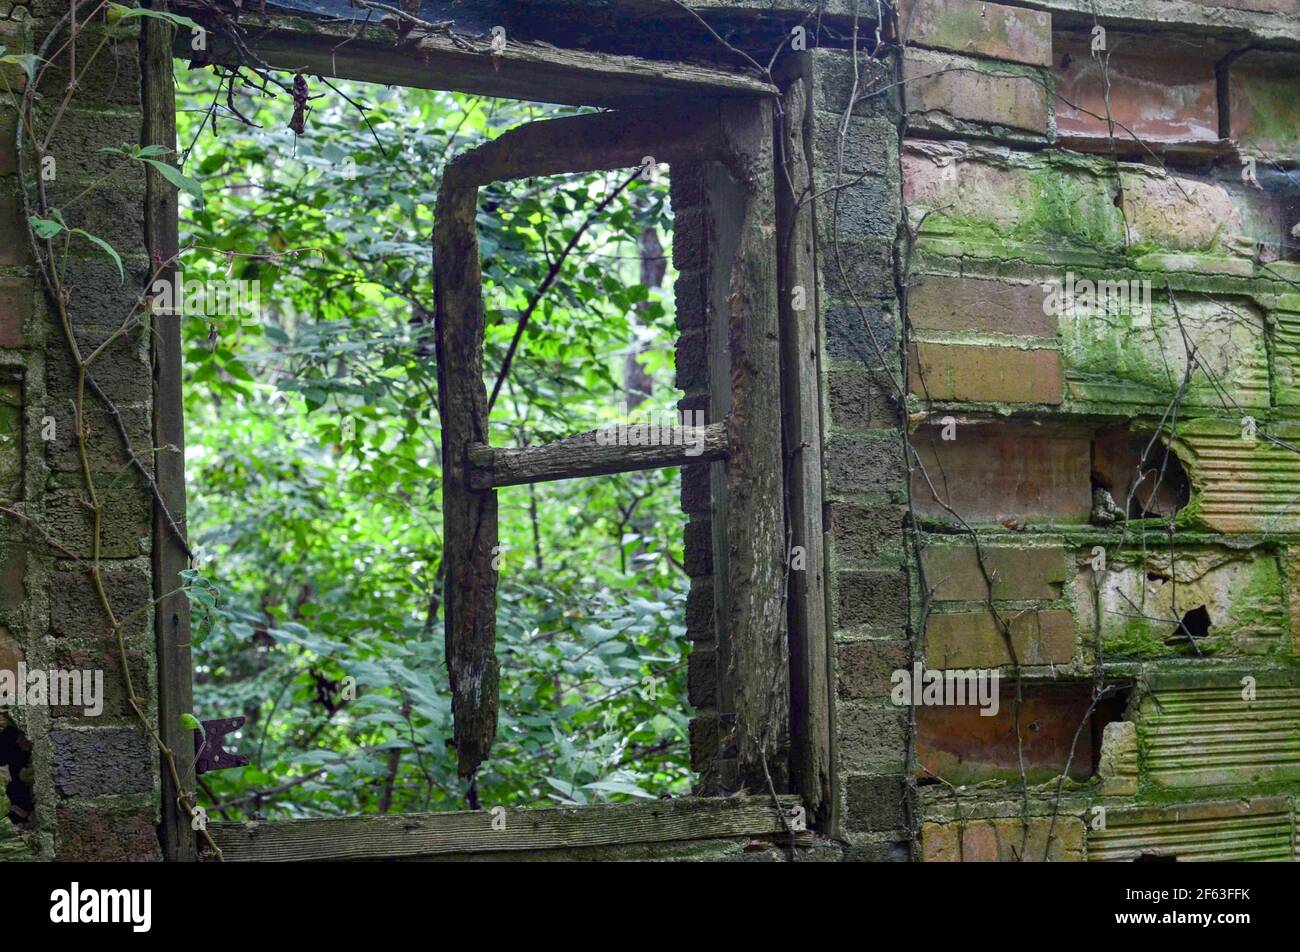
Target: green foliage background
313 462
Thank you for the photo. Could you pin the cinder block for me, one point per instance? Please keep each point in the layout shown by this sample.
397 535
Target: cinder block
76 611
100 762
872 598
864 669
863 535
876 803
870 461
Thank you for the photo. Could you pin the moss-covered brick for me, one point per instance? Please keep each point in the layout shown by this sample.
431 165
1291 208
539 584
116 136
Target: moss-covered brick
975 639
984 29
985 373
1263 108
957 573
1256 829
11 439
1144 597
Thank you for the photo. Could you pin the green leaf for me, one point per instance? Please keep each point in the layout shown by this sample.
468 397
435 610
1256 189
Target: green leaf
178 178
27 61
117 12
190 722
108 249
45 228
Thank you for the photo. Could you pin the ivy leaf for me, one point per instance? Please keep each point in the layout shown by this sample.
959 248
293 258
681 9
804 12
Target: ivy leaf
108 249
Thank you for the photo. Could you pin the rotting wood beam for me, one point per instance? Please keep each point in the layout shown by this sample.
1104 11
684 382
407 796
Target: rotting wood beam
584 455
525 70
589 143
469 516
429 834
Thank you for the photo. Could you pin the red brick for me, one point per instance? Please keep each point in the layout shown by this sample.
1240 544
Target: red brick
982 29
974 639
985 373
15 311
963 746
1164 95
988 474
942 87
948 303
953 572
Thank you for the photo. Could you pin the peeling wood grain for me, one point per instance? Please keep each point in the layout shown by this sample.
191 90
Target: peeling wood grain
424 834
811 702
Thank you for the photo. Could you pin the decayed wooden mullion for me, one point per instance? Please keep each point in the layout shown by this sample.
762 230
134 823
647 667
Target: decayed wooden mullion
584 455
756 538
469 515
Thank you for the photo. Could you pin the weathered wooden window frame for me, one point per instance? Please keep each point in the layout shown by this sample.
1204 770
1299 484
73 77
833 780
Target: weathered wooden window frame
736 142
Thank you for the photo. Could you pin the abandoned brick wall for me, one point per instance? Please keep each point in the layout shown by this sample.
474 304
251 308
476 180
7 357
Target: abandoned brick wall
1009 176
1028 422
80 787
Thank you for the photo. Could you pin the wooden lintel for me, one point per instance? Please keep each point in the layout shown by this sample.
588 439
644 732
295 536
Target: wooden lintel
484 831
586 455
524 70
588 143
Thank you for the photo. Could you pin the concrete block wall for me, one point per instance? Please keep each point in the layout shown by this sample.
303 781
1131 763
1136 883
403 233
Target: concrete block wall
1026 417
78 787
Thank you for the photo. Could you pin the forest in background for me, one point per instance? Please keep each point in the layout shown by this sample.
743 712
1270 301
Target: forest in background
313 462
